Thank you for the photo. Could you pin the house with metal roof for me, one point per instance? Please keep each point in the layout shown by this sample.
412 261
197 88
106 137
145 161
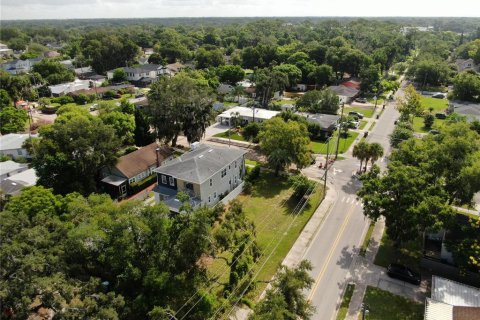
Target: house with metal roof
451 300
206 174
12 145
134 167
9 168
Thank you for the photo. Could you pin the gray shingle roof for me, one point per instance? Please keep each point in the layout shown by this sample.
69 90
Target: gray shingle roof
325 121
344 91
13 141
200 164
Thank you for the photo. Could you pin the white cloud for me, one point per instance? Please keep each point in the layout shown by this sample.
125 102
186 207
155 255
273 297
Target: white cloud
64 9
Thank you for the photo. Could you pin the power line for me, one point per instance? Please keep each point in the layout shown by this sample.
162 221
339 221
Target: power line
262 224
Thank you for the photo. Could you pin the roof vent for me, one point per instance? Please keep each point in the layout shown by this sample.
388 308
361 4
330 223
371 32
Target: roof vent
200 156
210 150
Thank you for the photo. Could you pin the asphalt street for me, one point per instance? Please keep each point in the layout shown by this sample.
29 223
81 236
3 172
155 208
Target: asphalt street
337 241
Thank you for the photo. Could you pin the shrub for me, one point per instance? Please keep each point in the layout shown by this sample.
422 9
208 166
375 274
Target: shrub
110 94
247 187
254 174
301 185
80 99
136 187
63 100
428 120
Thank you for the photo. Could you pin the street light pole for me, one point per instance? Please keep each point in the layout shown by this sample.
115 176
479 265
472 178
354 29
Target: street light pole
339 132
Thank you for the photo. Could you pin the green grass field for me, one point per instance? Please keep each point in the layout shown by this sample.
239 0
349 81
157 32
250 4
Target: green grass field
384 305
366 111
408 254
347 296
321 147
270 207
438 105
418 125
251 162
233 135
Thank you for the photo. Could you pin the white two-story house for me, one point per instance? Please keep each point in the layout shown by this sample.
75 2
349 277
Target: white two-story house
143 74
207 174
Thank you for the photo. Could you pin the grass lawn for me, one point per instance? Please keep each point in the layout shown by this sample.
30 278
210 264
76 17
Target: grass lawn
366 240
409 254
233 135
363 123
385 305
347 296
438 105
280 102
270 207
251 162
366 111
419 127
371 126
230 104
321 147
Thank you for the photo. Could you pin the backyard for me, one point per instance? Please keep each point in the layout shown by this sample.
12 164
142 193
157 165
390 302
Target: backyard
270 207
437 105
320 147
385 305
230 134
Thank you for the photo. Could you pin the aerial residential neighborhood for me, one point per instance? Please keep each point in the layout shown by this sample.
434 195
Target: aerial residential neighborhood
178 160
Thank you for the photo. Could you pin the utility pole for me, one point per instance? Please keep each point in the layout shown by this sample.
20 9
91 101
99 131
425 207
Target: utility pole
339 132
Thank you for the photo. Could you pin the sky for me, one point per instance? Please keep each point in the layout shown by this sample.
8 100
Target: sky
67 9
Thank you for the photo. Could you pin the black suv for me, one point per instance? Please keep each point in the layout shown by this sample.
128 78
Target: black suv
403 273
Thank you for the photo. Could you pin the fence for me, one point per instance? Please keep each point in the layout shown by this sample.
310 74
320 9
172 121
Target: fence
450 272
234 193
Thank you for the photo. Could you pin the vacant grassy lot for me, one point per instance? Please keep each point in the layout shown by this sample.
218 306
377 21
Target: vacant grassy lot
438 105
418 125
233 135
270 207
347 296
321 146
366 111
384 305
408 254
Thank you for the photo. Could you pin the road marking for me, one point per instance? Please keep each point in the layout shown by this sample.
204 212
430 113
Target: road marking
343 199
330 254
348 200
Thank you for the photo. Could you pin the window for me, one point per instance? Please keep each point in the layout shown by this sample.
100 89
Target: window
170 180
210 182
164 179
132 180
224 172
123 189
19 151
228 167
214 195
235 164
209 199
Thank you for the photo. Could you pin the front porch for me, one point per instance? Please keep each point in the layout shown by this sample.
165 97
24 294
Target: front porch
169 197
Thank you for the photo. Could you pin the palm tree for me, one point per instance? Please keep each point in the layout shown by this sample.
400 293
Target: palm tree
237 92
375 151
360 151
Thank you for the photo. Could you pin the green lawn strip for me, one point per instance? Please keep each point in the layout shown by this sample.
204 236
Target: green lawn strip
438 105
233 135
280 102
363 123
251 162
408 254
347 296
320 147
366 240
384 305
366 111
270 207
372 126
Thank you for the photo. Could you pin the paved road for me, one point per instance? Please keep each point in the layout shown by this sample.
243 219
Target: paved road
337 241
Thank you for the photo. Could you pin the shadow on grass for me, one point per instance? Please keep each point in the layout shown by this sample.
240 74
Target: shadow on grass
269 186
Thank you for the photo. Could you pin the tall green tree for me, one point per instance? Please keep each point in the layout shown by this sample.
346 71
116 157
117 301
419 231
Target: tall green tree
231 74
123 123
143 134
466 86
5 100
72 151
411 105
360 151
322 75
285 143
53 71
319 101
286 299
179 104
268 82
12 120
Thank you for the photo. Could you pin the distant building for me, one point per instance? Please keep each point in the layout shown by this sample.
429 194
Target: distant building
51 54
5 50
224 88
9 168
12 145
142 75
69 87
133 168
14 184
206 174
469 109
344 93
19 66
466 65
246 115
327 122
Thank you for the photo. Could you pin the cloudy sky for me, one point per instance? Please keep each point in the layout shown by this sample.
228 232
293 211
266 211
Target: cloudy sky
63 9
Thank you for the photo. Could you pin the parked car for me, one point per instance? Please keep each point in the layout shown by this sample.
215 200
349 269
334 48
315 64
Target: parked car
439 95
403 273
361 100
440 115
353 124
356 114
